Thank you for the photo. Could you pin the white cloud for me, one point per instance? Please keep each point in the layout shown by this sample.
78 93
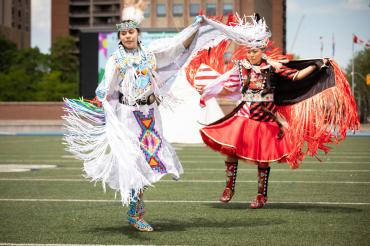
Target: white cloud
41 24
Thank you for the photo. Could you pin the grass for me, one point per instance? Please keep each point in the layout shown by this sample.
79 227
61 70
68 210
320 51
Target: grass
309 206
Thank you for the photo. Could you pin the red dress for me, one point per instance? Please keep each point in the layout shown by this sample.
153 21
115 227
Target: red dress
251 133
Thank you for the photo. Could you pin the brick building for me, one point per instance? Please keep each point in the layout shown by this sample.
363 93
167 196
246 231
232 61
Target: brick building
15 21
70 17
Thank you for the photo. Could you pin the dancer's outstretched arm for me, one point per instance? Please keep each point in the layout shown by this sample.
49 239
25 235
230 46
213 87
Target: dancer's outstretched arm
301 74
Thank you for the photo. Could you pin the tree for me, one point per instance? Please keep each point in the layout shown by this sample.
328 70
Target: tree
24 70
52 88
14 85
64 59
7 51
29 75
362 90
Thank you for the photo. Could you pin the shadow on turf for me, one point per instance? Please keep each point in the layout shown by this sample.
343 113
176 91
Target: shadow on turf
177 225
290 206
203 222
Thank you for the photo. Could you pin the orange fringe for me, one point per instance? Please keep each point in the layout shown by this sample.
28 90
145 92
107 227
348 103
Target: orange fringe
213 57
321 119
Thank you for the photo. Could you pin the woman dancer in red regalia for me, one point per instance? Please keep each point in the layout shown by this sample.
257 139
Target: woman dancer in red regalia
283 106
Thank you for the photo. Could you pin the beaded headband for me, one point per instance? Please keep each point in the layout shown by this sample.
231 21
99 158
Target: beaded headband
124 26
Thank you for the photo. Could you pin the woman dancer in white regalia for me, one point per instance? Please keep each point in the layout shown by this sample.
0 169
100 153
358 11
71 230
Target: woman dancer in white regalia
121 143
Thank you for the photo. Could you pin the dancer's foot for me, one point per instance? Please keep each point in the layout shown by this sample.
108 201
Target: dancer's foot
226 195
259 202
139 224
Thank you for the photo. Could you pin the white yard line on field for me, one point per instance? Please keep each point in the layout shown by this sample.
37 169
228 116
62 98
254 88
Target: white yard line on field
323 158
173 201
60 244
203 170
195 181
218 160
38 160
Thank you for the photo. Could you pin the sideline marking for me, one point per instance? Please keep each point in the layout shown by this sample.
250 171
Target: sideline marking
173 201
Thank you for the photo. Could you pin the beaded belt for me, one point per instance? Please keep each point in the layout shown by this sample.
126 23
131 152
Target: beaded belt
148 101
251 96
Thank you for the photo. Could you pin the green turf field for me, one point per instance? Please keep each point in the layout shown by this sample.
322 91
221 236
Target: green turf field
319 204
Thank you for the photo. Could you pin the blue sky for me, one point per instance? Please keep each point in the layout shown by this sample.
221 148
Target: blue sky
321 18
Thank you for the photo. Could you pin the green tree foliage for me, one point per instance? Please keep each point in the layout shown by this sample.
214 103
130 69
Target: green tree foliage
29 75
362 90
52 88
64 59
7 50
14 85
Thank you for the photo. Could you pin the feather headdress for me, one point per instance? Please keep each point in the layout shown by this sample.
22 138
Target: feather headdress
253 30
131 18
250 31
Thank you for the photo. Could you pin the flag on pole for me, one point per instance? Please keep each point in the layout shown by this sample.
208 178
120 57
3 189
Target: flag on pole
358 40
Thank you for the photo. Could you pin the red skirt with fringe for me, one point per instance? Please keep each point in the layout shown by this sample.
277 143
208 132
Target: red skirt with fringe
247 139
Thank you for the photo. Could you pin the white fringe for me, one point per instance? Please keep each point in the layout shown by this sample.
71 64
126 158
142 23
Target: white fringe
108 150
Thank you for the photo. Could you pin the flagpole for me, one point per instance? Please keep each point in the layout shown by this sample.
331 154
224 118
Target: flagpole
353 66
333 45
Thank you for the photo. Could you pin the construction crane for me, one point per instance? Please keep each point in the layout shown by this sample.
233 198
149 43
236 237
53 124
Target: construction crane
296 33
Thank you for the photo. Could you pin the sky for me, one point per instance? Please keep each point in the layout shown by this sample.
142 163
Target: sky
41 24
319 18
343 18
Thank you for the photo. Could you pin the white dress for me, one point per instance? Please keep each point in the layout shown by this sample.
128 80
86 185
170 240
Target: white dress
122 144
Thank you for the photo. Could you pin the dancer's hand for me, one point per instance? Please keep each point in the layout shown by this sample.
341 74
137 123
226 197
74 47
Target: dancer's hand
199 89
325 63
141 4
199 19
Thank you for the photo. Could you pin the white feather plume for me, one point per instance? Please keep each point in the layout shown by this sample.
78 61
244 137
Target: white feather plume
132 13
245 31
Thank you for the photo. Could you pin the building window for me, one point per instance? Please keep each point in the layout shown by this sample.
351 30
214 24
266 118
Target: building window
147 10
161 10
211 9
194 9
228 8
177 10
